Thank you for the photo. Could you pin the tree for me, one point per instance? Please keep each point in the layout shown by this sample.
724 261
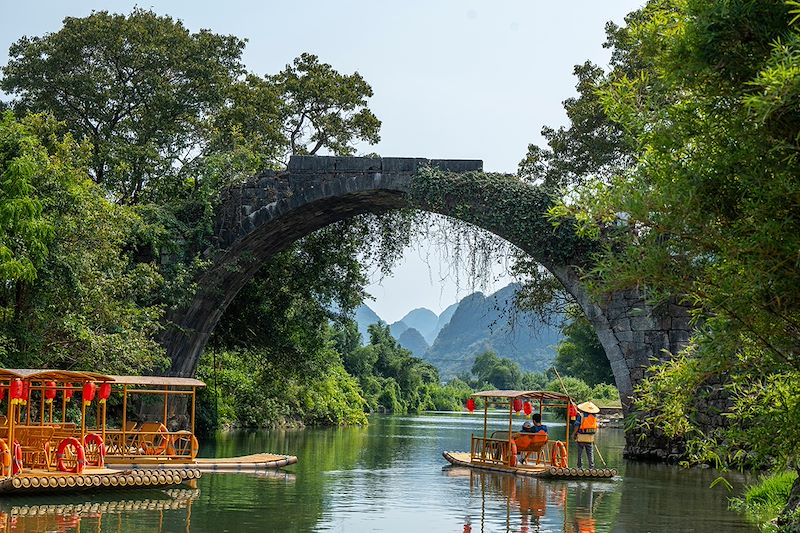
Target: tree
499 372
86 306
24 232
138 87
709 211
324 109
580 353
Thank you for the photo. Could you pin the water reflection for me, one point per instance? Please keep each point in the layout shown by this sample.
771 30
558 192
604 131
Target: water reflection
533 504
112 515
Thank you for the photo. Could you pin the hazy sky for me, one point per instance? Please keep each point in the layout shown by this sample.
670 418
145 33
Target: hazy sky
452 79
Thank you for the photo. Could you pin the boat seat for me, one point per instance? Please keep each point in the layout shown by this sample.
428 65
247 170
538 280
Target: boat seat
532 444
35 442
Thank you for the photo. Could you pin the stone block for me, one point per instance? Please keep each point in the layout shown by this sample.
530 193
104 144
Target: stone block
357 164
641 323
624 336
402 164
310 163
458 165
622 324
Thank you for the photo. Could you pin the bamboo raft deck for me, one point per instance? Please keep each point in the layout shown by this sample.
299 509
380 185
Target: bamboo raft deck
535 470
29 482
246 463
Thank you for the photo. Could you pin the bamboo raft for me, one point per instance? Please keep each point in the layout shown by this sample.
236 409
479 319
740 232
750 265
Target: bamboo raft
534 470
97 479
246 463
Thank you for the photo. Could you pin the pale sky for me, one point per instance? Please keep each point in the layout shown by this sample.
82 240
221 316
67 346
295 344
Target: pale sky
452 78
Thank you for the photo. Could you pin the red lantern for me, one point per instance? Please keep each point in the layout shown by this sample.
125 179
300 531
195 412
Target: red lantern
105 391
527 408
89 390
68 392
15 391
517 405
470 405
2 393
573 413
26 392
49 391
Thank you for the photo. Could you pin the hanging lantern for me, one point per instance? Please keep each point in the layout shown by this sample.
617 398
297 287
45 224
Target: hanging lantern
2 393
68 392
105 391
89 390
573 413
470 405
517 405
49 391
26 393
527 408
15 391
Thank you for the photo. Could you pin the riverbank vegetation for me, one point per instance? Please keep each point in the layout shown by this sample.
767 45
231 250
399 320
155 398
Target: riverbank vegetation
699 111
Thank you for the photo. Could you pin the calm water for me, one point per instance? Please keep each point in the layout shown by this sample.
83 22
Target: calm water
391 476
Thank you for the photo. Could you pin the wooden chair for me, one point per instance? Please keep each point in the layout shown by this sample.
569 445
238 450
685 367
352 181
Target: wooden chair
36 442
154 439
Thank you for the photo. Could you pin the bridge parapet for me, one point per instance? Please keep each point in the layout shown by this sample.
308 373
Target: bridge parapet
311 164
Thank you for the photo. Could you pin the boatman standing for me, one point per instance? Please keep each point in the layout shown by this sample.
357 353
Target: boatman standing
585 428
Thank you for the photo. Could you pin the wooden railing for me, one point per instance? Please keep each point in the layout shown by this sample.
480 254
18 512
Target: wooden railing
494 451
152 444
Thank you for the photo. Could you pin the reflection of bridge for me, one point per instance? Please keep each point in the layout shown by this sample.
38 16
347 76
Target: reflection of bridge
69 516
270 211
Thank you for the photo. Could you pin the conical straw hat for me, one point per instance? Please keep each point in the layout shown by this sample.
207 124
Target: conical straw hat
588 407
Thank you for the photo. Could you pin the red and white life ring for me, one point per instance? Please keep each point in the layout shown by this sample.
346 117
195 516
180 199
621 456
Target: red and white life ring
16 459
94 441
5 459
78 452
558 457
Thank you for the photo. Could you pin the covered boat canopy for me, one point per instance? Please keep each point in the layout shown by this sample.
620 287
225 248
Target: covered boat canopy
523 395
159 381
41 374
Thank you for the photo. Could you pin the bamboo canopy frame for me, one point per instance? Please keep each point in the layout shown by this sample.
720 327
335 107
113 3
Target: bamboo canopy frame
501 398
36 380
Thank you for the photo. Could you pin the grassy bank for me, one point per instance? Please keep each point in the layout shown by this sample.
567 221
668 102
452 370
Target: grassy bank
764 500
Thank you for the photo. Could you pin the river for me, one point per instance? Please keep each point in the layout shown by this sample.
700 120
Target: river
390 476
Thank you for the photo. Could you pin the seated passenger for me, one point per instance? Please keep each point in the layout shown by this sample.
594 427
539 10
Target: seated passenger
536 426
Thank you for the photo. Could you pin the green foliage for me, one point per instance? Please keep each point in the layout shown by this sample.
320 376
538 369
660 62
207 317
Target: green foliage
580 354
24 232
500 372
246 390
576 388
138 87
706 93
88 306
324 109
764 500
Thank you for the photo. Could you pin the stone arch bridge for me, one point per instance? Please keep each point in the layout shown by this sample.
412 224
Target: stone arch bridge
272 210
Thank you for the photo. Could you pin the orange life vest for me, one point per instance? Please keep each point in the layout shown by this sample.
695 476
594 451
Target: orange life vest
588 424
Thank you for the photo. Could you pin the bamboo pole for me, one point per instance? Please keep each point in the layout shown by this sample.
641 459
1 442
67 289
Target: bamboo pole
124 419
193 408
510 426
166 400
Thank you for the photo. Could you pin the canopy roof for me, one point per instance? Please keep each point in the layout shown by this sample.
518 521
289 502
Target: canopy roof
41 374
37 374
157 381
523 394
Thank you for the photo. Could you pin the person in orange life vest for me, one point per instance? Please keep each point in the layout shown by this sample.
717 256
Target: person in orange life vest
585 427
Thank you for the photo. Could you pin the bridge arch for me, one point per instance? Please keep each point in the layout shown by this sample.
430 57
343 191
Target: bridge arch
271 211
